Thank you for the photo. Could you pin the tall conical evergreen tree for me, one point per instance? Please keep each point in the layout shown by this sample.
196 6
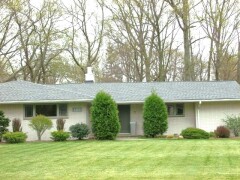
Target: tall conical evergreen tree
104 117
155 116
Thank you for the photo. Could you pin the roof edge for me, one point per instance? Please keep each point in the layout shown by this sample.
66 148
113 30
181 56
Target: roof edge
118 102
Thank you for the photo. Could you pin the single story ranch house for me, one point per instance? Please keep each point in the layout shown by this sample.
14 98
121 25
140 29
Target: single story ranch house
190 104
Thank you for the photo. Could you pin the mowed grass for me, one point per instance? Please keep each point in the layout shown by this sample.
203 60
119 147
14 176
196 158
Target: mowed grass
130 159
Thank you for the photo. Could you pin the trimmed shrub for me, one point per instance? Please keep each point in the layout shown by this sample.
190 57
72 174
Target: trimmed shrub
15 137
222 132
104 116
60 124
40 124
60 135
194 133
4 123
155 116
79 131
233 123
16 125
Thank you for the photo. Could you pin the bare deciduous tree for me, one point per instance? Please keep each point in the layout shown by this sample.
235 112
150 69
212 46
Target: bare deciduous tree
38 37
218 22
181 9
86 35
149 31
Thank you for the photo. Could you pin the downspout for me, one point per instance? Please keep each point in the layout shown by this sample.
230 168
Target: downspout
198 113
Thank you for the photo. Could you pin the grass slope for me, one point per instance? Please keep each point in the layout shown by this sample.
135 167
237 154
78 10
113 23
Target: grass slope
137 159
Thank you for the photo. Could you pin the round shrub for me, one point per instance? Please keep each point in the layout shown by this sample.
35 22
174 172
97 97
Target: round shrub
60 135
222 132
15 137
155 116
194 133
79 131
104 116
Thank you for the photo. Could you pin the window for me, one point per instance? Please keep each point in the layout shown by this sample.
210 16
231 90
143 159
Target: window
175 109
28 110
46 110
170 109
50 110
62 109
179 109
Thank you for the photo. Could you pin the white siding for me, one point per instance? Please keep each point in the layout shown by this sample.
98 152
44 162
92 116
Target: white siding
210 116
17 111
12 111
178 123
175 124
212 113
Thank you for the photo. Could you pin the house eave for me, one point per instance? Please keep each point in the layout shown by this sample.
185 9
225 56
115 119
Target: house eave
118 102
45 101
181 101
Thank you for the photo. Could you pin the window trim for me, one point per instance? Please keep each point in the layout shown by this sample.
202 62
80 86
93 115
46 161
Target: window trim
175 109
51 117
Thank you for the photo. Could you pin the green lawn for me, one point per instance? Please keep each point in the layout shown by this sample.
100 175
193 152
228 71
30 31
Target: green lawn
132 159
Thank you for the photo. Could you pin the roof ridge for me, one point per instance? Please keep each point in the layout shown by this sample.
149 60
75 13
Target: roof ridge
142 82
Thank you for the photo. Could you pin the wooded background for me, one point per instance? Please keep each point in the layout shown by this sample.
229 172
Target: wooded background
123 40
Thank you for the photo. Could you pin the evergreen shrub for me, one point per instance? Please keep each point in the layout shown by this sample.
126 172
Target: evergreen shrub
195 133
104 116
79 131
155 116
15 137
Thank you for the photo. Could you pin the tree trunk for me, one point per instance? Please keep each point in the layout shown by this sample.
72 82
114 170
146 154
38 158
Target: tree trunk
209 61
187 57
238 63
39 136
186 39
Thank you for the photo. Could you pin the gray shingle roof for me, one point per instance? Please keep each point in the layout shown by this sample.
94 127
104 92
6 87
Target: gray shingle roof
22 91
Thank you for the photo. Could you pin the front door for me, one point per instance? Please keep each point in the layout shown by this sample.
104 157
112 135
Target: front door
124 117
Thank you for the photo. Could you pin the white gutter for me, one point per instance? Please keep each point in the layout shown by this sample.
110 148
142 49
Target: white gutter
45 101
118 102
180 101
197 113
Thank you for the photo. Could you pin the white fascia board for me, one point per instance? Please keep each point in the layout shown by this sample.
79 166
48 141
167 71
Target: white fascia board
118 102
219 100
181 101
46 101
141 102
